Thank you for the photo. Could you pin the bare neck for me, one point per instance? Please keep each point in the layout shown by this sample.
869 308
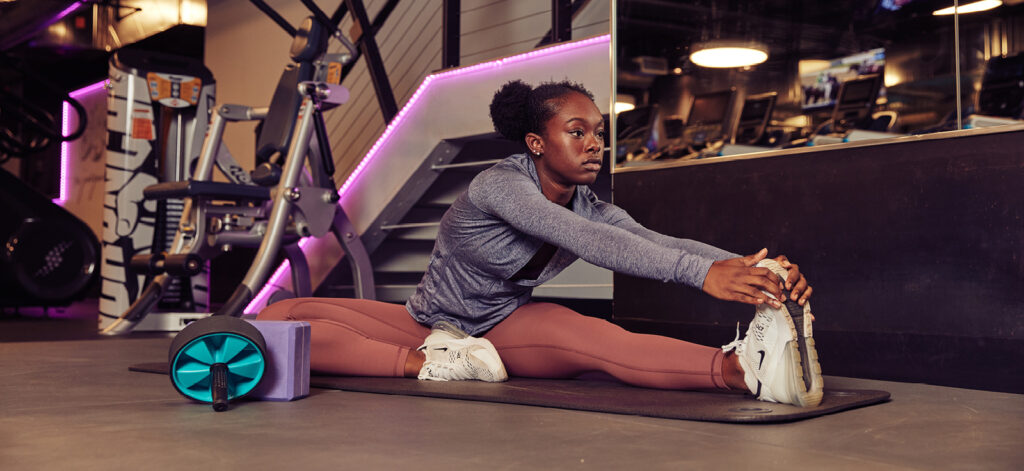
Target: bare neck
554 190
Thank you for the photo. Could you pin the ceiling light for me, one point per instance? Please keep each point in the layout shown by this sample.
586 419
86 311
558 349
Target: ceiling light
969 8
723 54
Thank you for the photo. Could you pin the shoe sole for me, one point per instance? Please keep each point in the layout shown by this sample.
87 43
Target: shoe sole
805 371
805 376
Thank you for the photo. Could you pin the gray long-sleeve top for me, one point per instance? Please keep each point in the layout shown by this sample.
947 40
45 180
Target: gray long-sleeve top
495 227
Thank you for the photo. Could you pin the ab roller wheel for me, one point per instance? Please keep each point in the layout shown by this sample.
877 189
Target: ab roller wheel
217 359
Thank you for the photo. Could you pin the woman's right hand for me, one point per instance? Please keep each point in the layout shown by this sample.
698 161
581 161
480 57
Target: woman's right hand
737 279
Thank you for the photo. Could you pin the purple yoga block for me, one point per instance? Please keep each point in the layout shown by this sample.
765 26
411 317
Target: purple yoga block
287 364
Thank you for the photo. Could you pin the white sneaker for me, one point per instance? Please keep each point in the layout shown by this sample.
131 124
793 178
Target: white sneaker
453 355
777 355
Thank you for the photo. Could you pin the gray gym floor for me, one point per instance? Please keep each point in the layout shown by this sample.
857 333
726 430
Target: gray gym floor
73 404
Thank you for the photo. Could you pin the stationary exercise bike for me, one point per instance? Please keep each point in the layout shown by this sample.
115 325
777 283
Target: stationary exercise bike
290 195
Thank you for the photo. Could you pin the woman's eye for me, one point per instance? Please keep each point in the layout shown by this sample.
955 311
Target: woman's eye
576 133
600 135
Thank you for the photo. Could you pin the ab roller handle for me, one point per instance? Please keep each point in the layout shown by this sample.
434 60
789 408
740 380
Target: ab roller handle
219 386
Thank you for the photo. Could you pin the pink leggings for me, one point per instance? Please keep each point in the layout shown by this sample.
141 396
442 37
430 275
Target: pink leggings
358 337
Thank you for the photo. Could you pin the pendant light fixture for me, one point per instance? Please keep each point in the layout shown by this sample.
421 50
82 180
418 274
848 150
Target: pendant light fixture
725 53
974 7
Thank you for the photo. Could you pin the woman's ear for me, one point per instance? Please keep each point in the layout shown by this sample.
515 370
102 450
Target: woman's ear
535 143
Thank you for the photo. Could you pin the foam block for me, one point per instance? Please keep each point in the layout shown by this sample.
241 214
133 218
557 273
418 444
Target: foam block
286 377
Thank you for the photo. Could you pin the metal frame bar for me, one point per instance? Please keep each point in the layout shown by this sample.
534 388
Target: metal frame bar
358 256
561 20
374 63
301 286
282 205
267 10
331 23
478 163
451 28
378 21
443 154
562 12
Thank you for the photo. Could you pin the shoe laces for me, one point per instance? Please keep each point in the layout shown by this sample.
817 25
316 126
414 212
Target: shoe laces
736 344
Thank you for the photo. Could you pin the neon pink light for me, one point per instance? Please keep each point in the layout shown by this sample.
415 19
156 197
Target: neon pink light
89 89
495 64
63 184
67 11
264 293
65 129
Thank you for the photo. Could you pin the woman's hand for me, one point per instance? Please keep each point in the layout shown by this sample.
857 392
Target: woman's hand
795 282
737 279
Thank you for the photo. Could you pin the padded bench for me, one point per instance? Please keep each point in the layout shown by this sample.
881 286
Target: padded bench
205 189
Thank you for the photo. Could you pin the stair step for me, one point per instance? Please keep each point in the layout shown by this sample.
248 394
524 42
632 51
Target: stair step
448 186
402 246
420 223
397 255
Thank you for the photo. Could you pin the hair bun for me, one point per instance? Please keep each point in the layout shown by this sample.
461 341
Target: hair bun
510 110
519 109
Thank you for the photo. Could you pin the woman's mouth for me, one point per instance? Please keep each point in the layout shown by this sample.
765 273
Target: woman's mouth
593 165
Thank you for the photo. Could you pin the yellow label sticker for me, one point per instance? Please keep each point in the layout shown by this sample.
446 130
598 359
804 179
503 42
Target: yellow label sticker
334 73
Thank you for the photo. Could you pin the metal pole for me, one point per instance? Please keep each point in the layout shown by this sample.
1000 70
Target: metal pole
956 71
451 27
561 20
368 45
274 15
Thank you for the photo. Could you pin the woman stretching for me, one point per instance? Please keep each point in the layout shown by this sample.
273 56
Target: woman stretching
518 225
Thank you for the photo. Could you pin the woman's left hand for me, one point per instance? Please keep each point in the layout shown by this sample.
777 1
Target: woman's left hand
795 282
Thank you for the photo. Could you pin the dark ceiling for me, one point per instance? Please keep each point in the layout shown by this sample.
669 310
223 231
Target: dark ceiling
793 29
22 19
29 61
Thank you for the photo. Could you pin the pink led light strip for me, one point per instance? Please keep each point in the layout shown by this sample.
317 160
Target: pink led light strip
264 293
65 129
67 11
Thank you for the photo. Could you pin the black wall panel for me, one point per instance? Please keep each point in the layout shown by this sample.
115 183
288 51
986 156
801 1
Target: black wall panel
915 250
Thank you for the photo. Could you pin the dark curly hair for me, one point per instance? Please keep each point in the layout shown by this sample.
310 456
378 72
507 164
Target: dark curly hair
518 109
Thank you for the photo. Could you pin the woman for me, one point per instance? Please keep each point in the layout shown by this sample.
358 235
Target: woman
519 224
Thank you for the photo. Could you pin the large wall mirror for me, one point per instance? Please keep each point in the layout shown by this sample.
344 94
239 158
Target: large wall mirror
702 79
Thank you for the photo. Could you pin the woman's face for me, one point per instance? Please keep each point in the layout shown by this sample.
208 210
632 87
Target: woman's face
573 142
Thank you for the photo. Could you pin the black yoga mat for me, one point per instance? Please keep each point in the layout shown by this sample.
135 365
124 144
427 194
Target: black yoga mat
598 396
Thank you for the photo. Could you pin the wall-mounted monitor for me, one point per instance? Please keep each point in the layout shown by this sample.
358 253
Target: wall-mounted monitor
820 88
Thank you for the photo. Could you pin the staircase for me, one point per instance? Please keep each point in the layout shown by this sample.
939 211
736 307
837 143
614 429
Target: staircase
401 239
396 196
